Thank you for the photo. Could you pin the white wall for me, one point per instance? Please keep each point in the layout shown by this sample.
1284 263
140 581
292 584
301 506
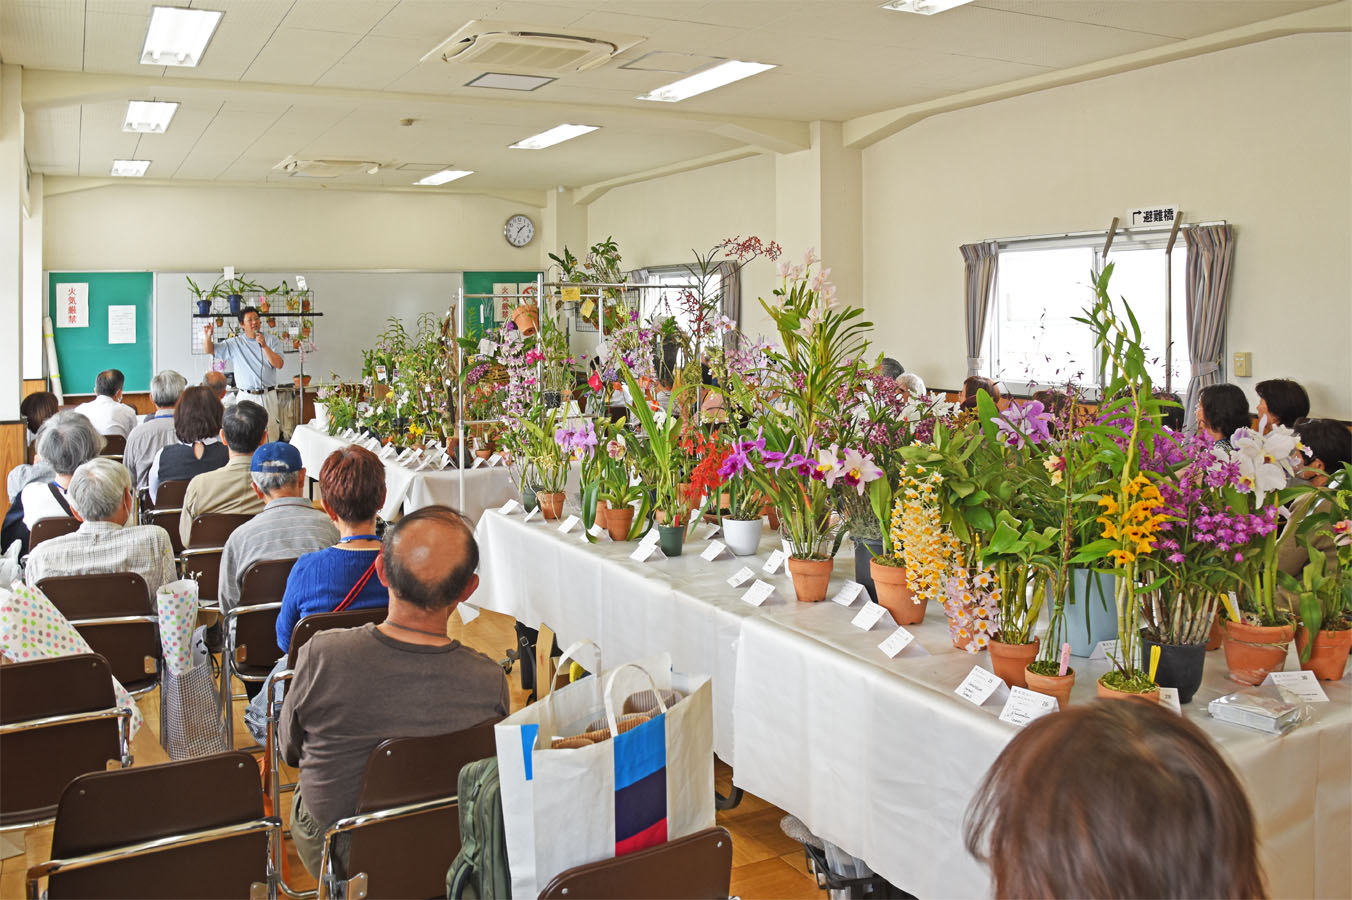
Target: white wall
661 222
1260 136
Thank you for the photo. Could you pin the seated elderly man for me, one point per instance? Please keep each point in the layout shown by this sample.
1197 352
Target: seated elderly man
107 411
228 489
288 526
157 431
220 386
356 687
101 498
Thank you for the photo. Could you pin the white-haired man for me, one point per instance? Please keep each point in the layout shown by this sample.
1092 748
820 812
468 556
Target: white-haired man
157 431
100 497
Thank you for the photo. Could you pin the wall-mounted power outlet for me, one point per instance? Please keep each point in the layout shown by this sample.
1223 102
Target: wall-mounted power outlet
1243 367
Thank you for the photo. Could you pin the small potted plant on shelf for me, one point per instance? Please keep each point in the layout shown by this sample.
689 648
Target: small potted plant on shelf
204 296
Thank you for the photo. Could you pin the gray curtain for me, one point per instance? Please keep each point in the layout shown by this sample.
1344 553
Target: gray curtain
1211 257
731 287
979 291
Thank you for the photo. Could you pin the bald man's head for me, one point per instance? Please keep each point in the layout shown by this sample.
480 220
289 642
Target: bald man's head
429 557
216 381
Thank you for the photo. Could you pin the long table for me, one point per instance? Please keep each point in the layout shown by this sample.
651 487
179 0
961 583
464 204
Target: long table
485 487
879 756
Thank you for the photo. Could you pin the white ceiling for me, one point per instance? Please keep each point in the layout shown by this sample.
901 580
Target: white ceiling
332 78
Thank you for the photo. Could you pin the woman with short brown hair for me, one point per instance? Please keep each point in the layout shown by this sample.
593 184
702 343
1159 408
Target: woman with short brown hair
1117 798
197 425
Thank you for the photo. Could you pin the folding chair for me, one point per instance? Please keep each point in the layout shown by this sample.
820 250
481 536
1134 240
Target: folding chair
50 527
695 867
186 829
250 629
406 830
58 719
166 510
114 614
201 559
114 446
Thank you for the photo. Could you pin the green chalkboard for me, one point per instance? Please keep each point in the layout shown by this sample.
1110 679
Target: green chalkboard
482 315
82 353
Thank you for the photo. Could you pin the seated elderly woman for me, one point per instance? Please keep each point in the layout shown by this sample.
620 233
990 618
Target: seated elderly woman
101 497
352 482
912 386
36 409
197 425
1281 401
975 384
67 440
1222 409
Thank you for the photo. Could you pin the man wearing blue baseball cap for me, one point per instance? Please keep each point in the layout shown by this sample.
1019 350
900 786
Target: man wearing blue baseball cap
288 526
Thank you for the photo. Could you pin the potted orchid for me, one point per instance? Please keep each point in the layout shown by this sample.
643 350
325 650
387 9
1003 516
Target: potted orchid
742 521
619 489
547 458
1322 522
659 464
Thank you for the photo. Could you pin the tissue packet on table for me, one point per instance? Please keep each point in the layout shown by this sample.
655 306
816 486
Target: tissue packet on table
1262 708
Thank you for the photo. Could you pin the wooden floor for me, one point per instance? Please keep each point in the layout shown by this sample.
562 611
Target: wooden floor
765 863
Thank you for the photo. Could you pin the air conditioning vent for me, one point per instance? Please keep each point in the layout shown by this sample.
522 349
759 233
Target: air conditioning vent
501 47
322 168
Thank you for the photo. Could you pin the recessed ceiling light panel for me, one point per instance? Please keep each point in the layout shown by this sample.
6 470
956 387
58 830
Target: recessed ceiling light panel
669 61
149 116
556 135
924 7
177 36
444 176
715 77
129 168
505 82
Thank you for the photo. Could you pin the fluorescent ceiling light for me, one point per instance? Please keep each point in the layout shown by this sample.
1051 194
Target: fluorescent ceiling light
924 7
178 37
505 82
129 168
444 176
149 116
716 77
556 135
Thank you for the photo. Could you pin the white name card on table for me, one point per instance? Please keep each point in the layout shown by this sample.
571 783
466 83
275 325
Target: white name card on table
979 685
784 545
758 593
869 616
373 445
642 552
533 513
509 507
409 453
713 551
427 461
713 530
478 461
1104 650
1023 706
388 452
774 562
568 524
896 642
494 460
848 594
1169 698
597 532
742 577
467 613
444 462
1300 684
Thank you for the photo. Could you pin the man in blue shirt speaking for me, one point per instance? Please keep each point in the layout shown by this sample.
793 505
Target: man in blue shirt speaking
256 357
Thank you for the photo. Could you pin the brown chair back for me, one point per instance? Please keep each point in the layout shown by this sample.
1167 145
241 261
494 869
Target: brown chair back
131 648
311 625
409 857
256 649
164 512
50 527
212 529
171 494
102 811
39 763
114 445
697 866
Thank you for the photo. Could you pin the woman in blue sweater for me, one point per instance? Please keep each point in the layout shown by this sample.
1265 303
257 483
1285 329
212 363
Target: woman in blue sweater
353 484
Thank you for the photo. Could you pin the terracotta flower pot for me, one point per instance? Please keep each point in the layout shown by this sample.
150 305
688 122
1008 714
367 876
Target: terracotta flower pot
618 522
1057 686
1010 661
1252 651
484 452
602 507
527 319
1328 659
1216 635
810 578
1108 693
894 595
768 510
551 504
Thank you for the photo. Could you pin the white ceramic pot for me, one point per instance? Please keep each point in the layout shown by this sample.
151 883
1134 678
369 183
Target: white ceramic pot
321 419
742 536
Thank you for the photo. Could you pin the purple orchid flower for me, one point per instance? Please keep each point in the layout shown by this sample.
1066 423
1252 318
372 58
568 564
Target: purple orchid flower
1023 424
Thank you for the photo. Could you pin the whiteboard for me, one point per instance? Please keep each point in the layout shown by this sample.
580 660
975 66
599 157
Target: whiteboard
355 305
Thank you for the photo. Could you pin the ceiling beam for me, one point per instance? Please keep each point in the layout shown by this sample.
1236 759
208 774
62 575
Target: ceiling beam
865 131
592 192
54 185
772 137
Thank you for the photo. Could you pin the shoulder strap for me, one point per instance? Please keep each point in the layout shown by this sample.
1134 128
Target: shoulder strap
60 497
357 588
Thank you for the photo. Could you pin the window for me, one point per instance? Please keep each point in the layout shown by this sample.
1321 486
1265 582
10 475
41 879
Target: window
667 302
1041 287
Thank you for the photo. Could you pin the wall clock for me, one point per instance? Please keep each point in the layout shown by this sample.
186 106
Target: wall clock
519 230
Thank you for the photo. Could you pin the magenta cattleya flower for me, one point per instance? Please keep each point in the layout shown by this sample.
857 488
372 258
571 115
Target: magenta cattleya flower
1022 424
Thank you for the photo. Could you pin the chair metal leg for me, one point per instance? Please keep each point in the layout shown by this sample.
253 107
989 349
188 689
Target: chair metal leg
227 704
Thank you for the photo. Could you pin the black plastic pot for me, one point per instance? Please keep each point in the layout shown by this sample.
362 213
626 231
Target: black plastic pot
864 551
1180 666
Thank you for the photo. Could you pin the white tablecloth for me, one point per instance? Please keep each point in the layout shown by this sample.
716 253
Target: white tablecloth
877 755
485 488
